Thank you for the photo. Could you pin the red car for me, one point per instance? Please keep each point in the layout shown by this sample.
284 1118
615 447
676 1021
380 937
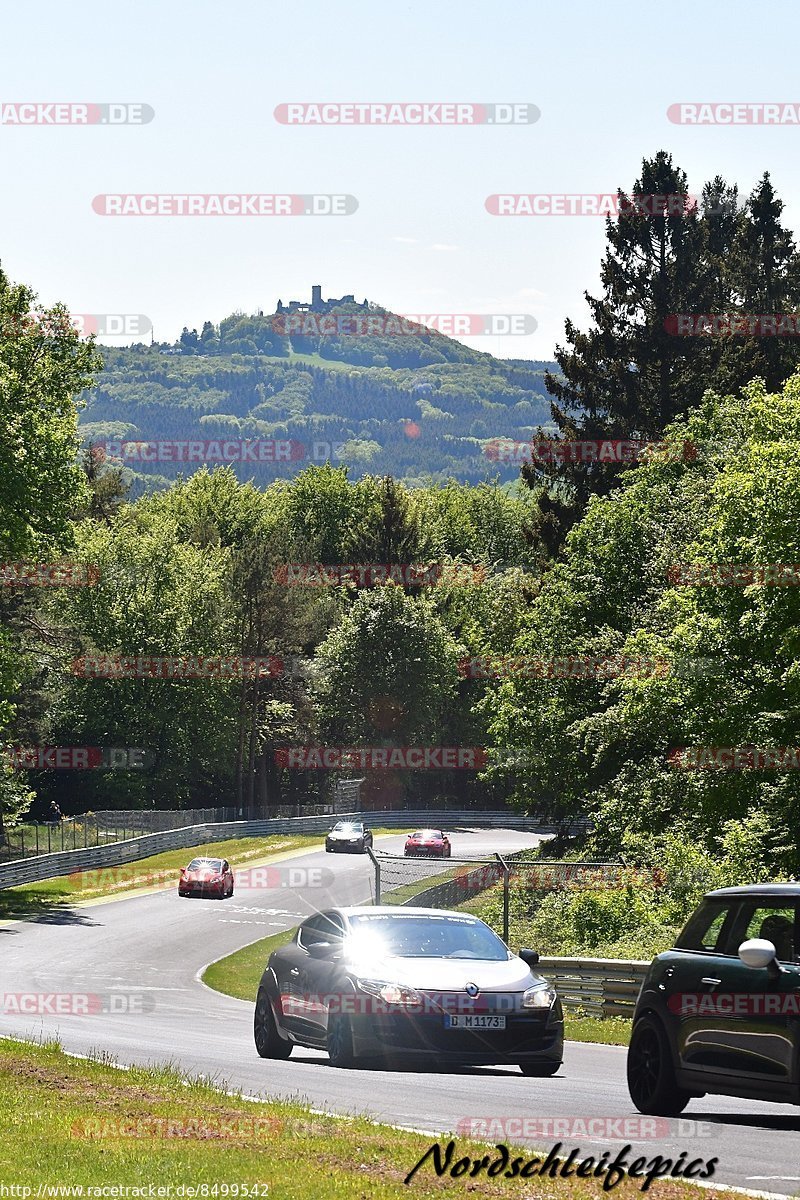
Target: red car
428 841
206 877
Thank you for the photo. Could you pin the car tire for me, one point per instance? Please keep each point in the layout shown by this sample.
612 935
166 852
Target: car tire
340 1041
651 1076
269 1042
540 1069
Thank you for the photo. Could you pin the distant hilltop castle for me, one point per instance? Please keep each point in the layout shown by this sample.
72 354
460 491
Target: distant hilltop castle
317 305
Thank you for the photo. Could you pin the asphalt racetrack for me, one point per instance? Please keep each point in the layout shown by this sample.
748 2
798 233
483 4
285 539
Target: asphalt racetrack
157 945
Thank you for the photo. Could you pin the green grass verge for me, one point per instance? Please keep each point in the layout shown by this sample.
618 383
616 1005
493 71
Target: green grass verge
239 974
610 1031
71 1123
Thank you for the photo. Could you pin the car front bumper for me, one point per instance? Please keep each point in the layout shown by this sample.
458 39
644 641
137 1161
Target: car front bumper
526 1038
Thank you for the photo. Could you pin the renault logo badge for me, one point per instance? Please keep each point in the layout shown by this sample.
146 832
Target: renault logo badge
472 989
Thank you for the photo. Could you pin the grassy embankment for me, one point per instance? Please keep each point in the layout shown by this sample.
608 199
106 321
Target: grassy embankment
74 1123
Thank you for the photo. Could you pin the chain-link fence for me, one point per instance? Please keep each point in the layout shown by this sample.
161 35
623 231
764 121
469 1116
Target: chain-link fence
509 884
103 828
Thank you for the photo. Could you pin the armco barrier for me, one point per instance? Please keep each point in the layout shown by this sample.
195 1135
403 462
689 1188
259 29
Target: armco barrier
603 987
49 866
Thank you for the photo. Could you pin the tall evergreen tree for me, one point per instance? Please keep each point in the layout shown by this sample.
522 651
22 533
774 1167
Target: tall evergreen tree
633 373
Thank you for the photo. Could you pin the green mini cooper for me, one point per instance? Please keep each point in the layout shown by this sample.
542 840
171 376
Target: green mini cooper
720 1012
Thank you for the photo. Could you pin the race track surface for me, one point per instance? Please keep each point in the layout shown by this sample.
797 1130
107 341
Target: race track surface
157 945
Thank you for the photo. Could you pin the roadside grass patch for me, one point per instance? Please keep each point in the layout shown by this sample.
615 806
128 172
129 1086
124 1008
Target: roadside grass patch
72 1122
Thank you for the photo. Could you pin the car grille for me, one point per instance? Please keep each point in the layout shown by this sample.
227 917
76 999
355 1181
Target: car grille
522 1035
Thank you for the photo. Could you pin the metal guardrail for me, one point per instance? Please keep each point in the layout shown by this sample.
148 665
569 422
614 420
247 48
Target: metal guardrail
49 866
603 987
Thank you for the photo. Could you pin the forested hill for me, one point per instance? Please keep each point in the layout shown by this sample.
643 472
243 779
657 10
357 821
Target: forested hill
416 406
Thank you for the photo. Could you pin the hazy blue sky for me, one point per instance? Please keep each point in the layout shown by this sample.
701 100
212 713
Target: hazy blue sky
603 76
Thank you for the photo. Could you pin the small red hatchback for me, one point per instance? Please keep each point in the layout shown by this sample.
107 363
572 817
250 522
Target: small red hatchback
206 877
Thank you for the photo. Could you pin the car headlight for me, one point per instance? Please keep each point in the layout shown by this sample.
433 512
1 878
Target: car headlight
392 993
541 996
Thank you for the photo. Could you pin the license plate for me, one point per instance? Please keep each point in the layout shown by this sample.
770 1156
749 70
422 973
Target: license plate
473 1021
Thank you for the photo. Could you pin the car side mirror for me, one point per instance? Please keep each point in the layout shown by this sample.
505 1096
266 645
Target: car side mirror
758 953
531 957
320 949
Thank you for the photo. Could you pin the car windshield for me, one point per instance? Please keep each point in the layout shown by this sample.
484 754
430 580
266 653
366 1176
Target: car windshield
390 935
425 835
205 864
347 827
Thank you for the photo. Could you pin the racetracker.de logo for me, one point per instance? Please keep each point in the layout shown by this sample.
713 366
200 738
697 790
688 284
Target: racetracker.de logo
735 758
202 1129
735 1004
391 758
606 450
403 324
223 204
229 450
376 574
63 574
75 1004
733 324
131 325
734 575
533 666
44 112
735 113
583 204
409 112
77 758
494 1128
186 666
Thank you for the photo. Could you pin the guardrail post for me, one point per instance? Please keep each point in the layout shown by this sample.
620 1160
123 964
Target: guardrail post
377 867
506 876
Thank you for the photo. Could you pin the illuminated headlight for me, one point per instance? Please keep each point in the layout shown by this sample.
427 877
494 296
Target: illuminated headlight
392 993
539 997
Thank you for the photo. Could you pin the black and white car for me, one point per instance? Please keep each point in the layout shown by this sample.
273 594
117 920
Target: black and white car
349 835
408 984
